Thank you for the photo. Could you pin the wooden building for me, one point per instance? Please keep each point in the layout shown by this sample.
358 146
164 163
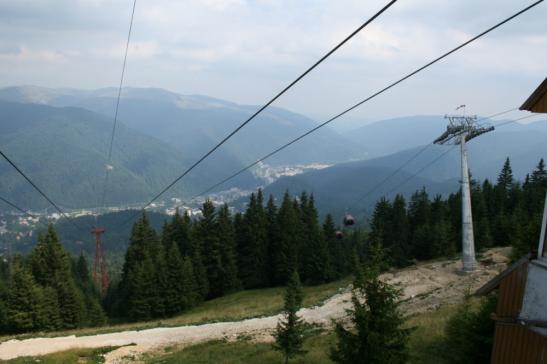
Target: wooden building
537 102
521 314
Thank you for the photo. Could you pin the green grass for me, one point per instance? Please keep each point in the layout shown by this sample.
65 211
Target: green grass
426 342
233 307
426 345
246 352
83 356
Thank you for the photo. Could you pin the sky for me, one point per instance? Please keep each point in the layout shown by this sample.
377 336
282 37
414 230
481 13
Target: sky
247 51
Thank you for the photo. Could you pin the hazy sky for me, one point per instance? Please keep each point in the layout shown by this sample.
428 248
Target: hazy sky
245 51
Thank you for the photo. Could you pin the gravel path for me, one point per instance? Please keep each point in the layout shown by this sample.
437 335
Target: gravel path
425 287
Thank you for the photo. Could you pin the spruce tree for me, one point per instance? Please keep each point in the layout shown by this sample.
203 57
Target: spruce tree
376 334
315 266
226 236
285 254
174 293
539 175
52 267
505 178
335 249
273 235
206 233
47 316
253 249
398 233
23 301
191 293
289 334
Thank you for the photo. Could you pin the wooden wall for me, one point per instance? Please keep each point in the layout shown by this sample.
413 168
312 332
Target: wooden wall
517 344
511 293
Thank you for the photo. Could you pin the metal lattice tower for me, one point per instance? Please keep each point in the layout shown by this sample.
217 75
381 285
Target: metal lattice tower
100 273
460 130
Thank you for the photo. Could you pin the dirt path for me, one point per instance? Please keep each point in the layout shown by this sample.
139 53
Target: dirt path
425 287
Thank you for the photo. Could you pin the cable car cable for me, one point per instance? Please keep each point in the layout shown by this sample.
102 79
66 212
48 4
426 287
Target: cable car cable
115 122
444 154
40 191
414 156
17 207
226 138
370 98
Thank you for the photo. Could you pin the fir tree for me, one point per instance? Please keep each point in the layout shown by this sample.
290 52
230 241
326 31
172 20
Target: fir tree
289 334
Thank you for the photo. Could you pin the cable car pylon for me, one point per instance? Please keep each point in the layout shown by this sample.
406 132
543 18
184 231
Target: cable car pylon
460 130
100 273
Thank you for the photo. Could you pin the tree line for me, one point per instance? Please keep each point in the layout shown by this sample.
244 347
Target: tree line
221 252
505 213
48 290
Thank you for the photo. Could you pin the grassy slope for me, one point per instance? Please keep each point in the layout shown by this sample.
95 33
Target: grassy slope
87 356
426 346
233 307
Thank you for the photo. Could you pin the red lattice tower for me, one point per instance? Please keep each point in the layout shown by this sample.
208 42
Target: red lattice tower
100 274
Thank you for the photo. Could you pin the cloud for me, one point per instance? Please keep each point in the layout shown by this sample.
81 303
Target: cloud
245 50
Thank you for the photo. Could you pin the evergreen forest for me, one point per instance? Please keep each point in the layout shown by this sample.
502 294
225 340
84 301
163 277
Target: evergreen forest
192 260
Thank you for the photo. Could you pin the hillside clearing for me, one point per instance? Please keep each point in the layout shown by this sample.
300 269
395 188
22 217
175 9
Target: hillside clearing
426 287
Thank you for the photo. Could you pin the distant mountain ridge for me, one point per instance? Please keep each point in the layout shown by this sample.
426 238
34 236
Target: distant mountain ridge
193 124
64 151
60 136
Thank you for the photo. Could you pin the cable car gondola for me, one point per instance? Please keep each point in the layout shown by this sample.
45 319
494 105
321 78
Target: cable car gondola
349 220
339 235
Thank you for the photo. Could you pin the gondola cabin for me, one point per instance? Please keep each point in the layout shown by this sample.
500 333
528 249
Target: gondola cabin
349 220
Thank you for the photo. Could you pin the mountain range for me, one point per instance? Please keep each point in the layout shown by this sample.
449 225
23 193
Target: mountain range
60 138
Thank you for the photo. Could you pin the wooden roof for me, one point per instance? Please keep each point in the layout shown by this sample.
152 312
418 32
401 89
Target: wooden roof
537 102
495 282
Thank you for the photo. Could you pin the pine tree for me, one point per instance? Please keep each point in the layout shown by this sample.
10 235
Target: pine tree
289 334
376 334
